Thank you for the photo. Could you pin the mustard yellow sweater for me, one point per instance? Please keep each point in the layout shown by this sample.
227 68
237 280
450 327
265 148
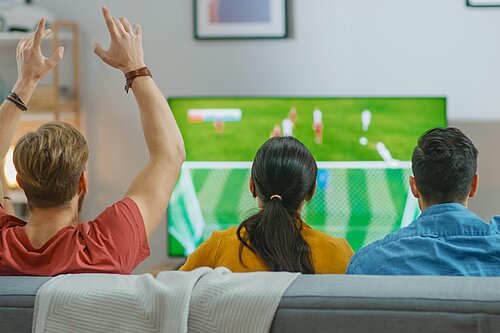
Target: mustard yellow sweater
330 255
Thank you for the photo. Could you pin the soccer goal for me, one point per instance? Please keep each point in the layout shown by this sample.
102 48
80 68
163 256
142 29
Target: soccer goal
359 201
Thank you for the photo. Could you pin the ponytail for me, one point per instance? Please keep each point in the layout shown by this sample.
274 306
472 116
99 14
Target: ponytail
275 236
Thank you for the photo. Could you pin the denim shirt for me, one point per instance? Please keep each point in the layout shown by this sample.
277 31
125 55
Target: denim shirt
447 239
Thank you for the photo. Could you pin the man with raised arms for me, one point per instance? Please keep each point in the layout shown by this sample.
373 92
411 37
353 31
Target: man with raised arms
51 164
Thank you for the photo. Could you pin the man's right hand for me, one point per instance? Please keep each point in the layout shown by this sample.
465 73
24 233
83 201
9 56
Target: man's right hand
32 66
125 51
152 188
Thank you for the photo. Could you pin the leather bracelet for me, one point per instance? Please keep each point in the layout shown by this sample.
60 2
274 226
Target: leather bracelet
130 76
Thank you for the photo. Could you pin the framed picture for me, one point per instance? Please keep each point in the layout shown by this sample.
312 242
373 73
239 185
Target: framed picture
483 3
240 19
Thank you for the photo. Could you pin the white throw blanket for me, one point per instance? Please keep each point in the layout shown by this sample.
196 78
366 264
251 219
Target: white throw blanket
212 301
115 303
225 302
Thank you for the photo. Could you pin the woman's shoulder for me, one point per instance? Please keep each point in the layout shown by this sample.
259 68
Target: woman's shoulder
331 255
226 233
225 238
206 253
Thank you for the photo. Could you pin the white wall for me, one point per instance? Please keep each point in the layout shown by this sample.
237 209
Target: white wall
338 47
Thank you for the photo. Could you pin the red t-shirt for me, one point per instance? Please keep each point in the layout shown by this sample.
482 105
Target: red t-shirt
115 242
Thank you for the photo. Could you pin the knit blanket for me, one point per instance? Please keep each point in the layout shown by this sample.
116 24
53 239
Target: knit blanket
204 300
225 302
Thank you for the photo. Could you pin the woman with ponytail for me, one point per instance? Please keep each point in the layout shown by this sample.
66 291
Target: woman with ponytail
276 238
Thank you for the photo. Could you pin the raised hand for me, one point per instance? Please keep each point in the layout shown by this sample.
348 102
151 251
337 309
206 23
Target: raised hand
125 51
32 65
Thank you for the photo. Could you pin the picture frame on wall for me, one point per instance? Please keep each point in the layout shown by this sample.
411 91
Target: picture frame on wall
483 3
240 19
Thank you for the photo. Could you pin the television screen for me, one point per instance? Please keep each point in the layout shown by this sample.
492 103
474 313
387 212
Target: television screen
363 147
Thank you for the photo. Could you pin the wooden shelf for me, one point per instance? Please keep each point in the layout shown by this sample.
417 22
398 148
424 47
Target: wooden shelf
12 38
45 99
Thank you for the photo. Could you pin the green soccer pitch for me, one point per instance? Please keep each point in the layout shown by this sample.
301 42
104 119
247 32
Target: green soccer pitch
397 122
359 197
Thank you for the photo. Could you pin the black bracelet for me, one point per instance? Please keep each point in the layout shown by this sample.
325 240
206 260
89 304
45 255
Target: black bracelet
18 99
14 98
16 103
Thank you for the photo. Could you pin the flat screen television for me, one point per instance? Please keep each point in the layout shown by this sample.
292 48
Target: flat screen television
363 147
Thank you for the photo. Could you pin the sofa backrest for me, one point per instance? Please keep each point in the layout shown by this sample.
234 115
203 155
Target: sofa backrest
17 298
361 304
338 303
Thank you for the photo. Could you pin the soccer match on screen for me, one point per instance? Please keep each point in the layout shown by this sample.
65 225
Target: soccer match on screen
363 147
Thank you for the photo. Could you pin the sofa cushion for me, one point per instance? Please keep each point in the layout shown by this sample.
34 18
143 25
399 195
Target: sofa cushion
389 303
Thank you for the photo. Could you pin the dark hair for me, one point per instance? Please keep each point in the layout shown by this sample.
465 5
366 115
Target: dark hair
444 165
283 167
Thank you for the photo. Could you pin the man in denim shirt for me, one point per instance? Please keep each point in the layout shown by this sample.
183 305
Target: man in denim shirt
447 239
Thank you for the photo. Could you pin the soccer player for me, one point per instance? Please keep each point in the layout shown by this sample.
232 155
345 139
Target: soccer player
293 115
366 119
287 126
384 152
276 132
219 126
318 126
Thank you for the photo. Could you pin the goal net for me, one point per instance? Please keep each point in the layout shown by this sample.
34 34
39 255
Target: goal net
359 201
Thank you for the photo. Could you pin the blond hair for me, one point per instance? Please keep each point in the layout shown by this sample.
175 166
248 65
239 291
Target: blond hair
49 163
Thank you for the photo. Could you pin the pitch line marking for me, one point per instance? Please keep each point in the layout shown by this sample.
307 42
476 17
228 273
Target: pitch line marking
321 165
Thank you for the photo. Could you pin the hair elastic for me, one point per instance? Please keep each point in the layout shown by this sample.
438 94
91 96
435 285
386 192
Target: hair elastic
276 196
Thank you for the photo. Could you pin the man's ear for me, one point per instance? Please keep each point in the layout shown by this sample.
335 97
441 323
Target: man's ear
414 188
83 185
473 188
18 182
252 187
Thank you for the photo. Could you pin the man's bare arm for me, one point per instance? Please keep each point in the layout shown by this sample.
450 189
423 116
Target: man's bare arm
8 206
152 187
32 67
